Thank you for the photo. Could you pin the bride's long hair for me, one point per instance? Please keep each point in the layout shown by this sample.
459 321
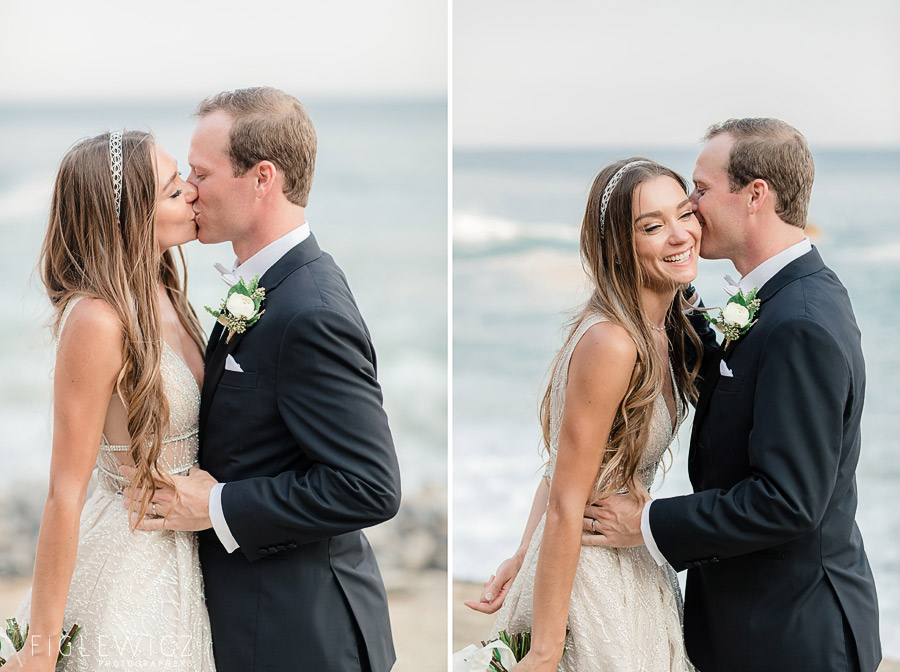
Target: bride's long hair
617 276
88 250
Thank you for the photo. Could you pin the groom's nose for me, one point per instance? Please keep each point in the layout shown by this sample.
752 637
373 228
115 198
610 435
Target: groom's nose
694 198
190 192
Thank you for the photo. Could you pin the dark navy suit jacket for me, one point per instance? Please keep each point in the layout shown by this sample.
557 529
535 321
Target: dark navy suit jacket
302 442
778 578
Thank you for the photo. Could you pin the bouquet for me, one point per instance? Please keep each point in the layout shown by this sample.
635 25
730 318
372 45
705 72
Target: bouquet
15 639
499 655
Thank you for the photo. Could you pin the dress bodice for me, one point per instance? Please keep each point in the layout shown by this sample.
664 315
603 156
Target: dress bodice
180 440
661 427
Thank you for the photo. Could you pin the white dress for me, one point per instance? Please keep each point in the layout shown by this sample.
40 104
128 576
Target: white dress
138 596
625 610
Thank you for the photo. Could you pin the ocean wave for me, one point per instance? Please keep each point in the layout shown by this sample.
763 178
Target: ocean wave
880 252
474 228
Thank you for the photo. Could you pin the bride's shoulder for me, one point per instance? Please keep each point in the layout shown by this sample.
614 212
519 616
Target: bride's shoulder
606 342
92 325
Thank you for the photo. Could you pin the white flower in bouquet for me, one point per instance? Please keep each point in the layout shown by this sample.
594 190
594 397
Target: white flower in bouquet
478 659
7 650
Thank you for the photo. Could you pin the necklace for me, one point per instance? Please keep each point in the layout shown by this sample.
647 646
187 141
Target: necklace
654 327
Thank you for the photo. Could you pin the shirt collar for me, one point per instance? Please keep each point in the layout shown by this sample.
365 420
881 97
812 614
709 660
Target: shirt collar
771 266
263 260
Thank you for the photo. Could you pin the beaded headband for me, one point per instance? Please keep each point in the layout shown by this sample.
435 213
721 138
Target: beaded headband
115 165
607 192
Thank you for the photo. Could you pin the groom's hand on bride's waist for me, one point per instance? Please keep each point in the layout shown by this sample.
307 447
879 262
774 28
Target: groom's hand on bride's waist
189 513
615 521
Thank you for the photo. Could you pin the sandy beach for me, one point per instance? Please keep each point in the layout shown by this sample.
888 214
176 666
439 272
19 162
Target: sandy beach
418 605
470 627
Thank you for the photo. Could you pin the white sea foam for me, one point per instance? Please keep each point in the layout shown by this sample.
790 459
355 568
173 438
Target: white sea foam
883 252
474 228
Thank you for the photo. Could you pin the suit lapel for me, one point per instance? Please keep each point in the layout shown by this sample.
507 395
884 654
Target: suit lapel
214 338
299 255
809 263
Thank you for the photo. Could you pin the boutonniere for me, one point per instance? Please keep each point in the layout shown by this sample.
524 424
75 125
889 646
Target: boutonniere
240 309
738 315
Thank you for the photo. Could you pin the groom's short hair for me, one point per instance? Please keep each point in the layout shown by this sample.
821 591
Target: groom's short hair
269 125
771 150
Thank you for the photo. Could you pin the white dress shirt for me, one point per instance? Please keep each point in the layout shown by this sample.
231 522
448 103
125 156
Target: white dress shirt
755 278
258 264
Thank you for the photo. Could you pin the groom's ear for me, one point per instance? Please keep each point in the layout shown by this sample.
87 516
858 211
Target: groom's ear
758 194
266 175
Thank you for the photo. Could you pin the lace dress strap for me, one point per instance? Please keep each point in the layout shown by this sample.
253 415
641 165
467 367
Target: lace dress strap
62 322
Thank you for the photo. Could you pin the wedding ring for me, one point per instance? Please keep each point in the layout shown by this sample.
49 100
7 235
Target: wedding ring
592 526
153 504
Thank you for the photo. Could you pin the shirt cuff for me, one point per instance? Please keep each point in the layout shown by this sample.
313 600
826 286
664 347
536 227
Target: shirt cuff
217 516
649 542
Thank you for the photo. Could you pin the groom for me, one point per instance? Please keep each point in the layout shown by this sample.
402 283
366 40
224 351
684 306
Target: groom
296 454
777 575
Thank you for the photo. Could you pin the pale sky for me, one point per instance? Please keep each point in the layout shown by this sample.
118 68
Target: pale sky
114 49
589 72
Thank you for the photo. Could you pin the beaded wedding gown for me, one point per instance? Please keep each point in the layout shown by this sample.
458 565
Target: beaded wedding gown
138 596
625 610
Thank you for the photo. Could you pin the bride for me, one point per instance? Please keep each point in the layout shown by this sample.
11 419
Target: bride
126 391
618 393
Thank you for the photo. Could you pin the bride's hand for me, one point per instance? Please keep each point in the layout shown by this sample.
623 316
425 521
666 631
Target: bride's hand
25 663
496 588
531 663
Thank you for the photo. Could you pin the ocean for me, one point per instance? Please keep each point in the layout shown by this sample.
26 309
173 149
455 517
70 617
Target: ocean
378 205
517 278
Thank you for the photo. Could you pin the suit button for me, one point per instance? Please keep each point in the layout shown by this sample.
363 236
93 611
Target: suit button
292 545
282 547
714 559
272 549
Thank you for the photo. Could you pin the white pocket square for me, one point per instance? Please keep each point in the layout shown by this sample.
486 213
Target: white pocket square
723 369
232 365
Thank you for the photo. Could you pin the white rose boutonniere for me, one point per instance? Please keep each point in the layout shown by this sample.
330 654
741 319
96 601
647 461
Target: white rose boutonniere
738 315
241 308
